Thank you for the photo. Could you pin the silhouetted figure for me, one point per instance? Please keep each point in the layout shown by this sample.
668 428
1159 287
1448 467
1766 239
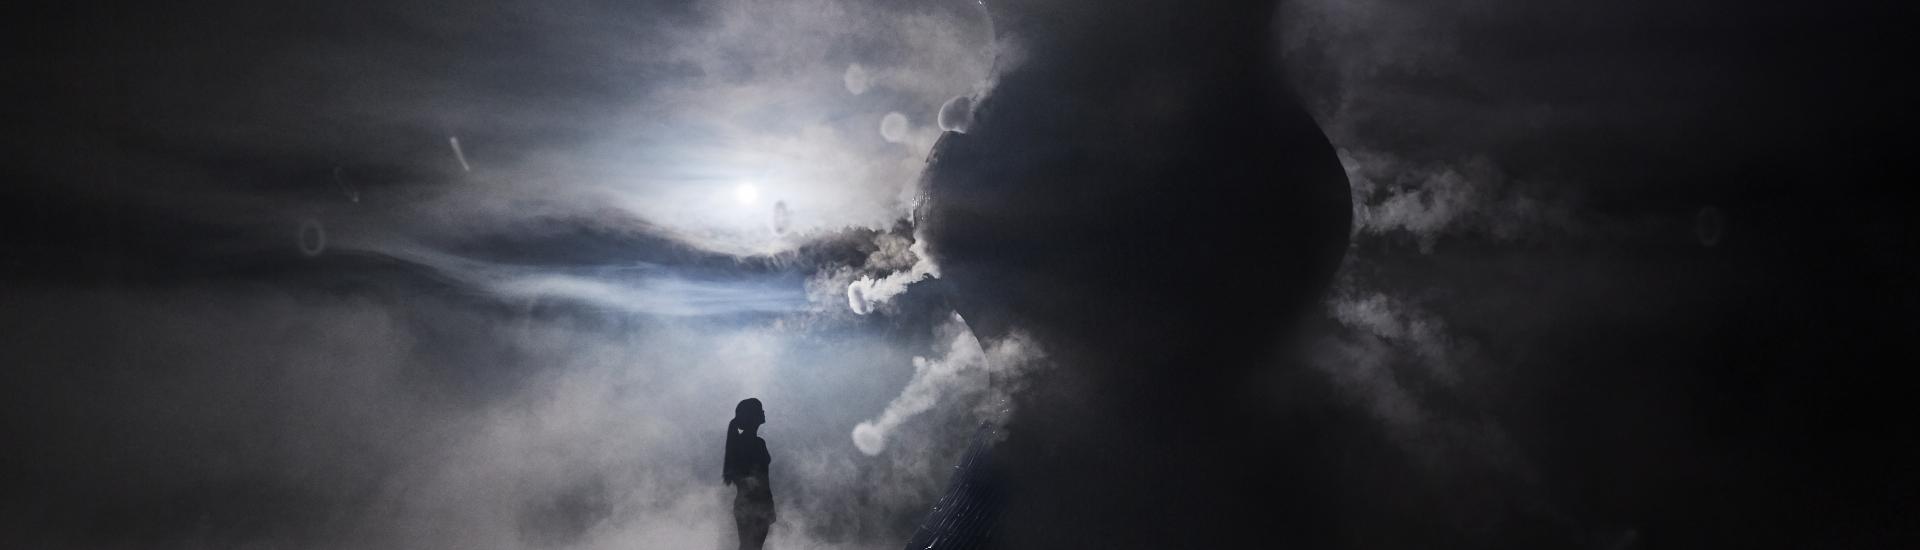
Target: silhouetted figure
745 468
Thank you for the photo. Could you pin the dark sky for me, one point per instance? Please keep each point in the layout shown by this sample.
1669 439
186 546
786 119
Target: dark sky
466 275
1654 247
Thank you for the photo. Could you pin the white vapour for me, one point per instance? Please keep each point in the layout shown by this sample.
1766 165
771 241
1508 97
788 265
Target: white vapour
425 423
1406 327
639 288
785 95
1418 378
965 370
857 79
458 154
1395 357
1430 200
867 293
659 295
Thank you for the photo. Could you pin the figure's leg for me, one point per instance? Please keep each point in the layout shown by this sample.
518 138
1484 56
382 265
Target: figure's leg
744 526
753 533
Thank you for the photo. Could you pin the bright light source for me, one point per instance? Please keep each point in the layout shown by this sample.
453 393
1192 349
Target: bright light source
746 193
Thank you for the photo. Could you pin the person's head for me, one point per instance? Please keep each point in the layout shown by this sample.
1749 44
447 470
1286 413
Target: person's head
747 418
748 415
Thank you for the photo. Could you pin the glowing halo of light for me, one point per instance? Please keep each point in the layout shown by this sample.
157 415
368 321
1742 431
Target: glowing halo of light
782 218
857 79
857 299
311 238
894 127
957 114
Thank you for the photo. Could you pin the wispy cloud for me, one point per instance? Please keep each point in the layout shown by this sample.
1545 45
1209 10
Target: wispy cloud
963 372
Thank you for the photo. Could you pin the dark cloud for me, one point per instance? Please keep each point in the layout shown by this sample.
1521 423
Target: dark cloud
1152 215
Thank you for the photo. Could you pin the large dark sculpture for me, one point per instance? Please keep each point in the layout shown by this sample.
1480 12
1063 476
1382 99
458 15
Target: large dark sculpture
1141 194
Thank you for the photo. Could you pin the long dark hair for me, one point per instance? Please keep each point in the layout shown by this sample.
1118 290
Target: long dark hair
735 466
